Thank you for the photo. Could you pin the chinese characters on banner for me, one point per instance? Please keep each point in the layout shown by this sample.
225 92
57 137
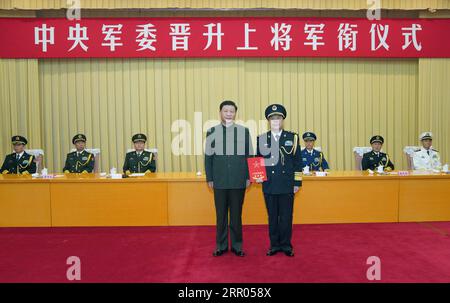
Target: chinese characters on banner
223 37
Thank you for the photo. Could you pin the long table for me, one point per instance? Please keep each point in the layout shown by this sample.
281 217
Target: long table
176 199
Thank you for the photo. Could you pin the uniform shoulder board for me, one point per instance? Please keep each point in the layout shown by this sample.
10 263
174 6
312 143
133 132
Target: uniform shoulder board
290 133
72 153
417 150
129 153
434 150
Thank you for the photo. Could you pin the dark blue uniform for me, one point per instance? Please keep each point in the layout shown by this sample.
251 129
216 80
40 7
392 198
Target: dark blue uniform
315 160
23 165
16 163
283 167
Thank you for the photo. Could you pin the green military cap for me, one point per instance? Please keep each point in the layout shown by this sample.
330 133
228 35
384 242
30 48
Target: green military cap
377 138
19 140
78 137
139 137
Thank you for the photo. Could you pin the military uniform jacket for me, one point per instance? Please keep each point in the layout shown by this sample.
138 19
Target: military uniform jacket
24 165
316 161
283 162
226 153
371 161
424 161
143 163
79 164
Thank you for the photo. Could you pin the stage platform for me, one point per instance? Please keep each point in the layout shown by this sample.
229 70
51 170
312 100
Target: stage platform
184 199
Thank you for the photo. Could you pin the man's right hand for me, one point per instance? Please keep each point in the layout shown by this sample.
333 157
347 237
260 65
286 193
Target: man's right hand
211 184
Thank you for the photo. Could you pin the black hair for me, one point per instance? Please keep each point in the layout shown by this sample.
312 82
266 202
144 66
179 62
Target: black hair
227 102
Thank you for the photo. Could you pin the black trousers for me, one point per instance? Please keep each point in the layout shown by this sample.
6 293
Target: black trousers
280 209
229 200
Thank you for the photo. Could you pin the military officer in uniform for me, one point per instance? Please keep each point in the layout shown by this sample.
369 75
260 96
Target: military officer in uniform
228 146
426 158
79 161
312 157
375 158
19 162
282 157
139 160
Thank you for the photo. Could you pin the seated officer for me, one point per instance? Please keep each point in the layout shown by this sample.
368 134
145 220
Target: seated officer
312 157
79 161
426 158
139 160
19 162
375 158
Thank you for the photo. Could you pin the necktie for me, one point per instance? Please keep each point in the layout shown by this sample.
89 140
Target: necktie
17 157
277 137
428 152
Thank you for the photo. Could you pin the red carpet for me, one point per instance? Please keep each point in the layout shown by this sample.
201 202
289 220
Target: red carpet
409 252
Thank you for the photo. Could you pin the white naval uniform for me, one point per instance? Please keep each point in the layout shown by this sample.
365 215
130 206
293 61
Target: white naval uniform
426 161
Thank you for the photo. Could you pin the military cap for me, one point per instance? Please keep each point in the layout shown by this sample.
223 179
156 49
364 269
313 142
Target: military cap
78 137
309 136
275 109
139 137
425 136
19 140
376 138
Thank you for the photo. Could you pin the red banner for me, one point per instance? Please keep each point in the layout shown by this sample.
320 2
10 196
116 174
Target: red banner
223 37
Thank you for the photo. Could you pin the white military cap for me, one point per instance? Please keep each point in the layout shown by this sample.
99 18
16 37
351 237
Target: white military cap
425 135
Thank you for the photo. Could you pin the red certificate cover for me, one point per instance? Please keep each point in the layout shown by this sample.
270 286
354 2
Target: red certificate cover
256 169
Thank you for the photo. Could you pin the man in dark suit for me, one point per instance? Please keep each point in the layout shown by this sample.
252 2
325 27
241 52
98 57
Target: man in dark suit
79 161
283 161
228 145
19 162
375 158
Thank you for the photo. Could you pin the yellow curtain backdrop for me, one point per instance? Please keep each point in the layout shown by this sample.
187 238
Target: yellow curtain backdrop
19 102
434 102
345 101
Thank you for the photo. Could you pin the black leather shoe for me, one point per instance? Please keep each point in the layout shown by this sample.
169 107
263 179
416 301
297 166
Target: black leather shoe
289 253
238 253
218 252
271 252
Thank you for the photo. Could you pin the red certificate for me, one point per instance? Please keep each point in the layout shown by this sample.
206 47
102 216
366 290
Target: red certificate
256 169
